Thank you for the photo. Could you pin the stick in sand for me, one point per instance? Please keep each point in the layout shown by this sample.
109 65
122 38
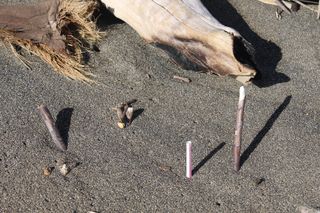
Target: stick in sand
318 17
54 132
238 132
188 160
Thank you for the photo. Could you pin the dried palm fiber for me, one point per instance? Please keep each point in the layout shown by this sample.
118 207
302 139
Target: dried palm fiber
57 31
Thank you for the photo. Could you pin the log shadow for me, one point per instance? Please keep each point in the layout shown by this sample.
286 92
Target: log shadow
258 138
63 123
105 18
207 158
267 54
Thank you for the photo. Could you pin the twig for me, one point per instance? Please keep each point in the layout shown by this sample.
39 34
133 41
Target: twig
188 160
318 17
54 132
238 132
187 80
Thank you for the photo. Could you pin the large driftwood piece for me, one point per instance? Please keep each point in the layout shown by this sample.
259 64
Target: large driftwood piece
189 27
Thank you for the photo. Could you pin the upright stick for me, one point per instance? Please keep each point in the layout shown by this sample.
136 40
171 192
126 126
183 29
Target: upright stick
188 160
238 132
54 132
318 17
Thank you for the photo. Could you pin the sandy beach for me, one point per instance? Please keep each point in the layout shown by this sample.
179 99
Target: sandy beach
142 168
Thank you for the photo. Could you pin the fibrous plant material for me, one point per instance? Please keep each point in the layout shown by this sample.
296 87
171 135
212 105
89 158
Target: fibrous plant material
187 26
57 31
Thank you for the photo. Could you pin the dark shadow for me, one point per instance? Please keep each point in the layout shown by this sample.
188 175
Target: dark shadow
267 54
257 140
105 17
208 157
63 123
137 113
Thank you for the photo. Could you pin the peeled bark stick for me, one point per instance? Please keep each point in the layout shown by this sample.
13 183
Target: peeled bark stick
187 80
238 132
188 160
54 132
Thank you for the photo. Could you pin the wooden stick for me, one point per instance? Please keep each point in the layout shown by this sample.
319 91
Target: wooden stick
188 160
187 80
318 17
54 132
238 132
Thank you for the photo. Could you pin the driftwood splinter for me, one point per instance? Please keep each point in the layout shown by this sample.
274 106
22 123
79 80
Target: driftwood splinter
238 132
53 130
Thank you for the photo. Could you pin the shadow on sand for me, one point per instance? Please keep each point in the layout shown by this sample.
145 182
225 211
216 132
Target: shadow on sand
257 140
267 54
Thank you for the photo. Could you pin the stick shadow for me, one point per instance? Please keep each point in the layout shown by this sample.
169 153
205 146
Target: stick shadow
137 113
267 54
258 138
63 123
207 158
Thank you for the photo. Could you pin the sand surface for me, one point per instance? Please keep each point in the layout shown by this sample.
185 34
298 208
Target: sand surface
142 168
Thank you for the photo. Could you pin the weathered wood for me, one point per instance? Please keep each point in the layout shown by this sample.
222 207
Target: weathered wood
53 130
189 27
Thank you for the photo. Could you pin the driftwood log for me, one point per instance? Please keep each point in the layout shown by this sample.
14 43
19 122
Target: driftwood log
57 31
187 26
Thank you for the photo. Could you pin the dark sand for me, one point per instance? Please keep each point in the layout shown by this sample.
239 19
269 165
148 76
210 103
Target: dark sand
142 168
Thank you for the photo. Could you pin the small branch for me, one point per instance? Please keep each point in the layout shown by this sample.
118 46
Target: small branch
318 17
54 132
238 132
187 80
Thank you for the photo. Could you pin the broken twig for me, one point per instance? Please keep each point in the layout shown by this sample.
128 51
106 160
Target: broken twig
238 132
187 80
53 130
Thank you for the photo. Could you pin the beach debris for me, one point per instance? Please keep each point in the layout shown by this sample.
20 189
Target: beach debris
125 113
200 38
290 6
188 160
44 29
47 170
187 80
64 169
53 130
238 131
259 181
129 114
165 168
304 209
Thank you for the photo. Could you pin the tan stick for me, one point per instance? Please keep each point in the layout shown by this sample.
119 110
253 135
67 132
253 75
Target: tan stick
318 17
187 80
54 132
238 132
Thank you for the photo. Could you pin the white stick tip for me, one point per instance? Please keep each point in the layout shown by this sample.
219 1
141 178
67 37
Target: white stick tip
188 142
242 93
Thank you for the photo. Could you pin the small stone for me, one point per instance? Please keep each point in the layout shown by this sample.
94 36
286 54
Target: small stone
64 169
47 170
121 125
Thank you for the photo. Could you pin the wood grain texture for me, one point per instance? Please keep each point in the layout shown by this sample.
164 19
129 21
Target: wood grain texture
187 26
